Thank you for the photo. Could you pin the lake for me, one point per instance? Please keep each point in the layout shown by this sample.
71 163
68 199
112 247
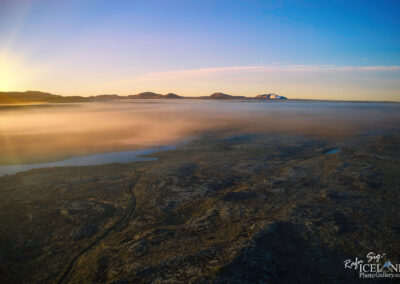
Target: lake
118 131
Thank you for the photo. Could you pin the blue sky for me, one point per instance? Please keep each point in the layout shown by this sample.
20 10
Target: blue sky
195 47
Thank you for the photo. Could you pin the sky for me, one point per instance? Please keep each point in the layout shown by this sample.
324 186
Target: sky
347 50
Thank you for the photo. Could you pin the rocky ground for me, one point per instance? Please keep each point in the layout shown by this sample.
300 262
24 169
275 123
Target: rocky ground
243 209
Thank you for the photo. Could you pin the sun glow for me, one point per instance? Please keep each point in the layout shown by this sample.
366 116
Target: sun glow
14 74
8 74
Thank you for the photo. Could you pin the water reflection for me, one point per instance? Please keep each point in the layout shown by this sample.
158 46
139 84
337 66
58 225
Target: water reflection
89 160
54 132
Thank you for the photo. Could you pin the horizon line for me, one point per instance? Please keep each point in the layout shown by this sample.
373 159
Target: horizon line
204 96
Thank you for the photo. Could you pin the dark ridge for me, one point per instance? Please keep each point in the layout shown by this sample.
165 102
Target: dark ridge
172 96
42 97
146 95
36 96
106 96
222 96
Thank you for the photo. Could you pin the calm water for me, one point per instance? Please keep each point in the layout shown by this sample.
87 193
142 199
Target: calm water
32 133
89 160
332 151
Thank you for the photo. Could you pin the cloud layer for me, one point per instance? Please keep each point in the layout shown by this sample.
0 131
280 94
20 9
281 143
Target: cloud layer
190 73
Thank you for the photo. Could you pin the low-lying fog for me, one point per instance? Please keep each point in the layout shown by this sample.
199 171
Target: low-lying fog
42 133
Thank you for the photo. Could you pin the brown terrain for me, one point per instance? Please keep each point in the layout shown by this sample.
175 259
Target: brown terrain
221 209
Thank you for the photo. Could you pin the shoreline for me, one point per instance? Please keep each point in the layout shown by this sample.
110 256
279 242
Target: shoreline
89 160
97 159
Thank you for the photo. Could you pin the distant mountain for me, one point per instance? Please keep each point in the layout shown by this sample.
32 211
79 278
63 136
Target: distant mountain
35 97
151 95
270 97
112 97
222 96
146 95
172 96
